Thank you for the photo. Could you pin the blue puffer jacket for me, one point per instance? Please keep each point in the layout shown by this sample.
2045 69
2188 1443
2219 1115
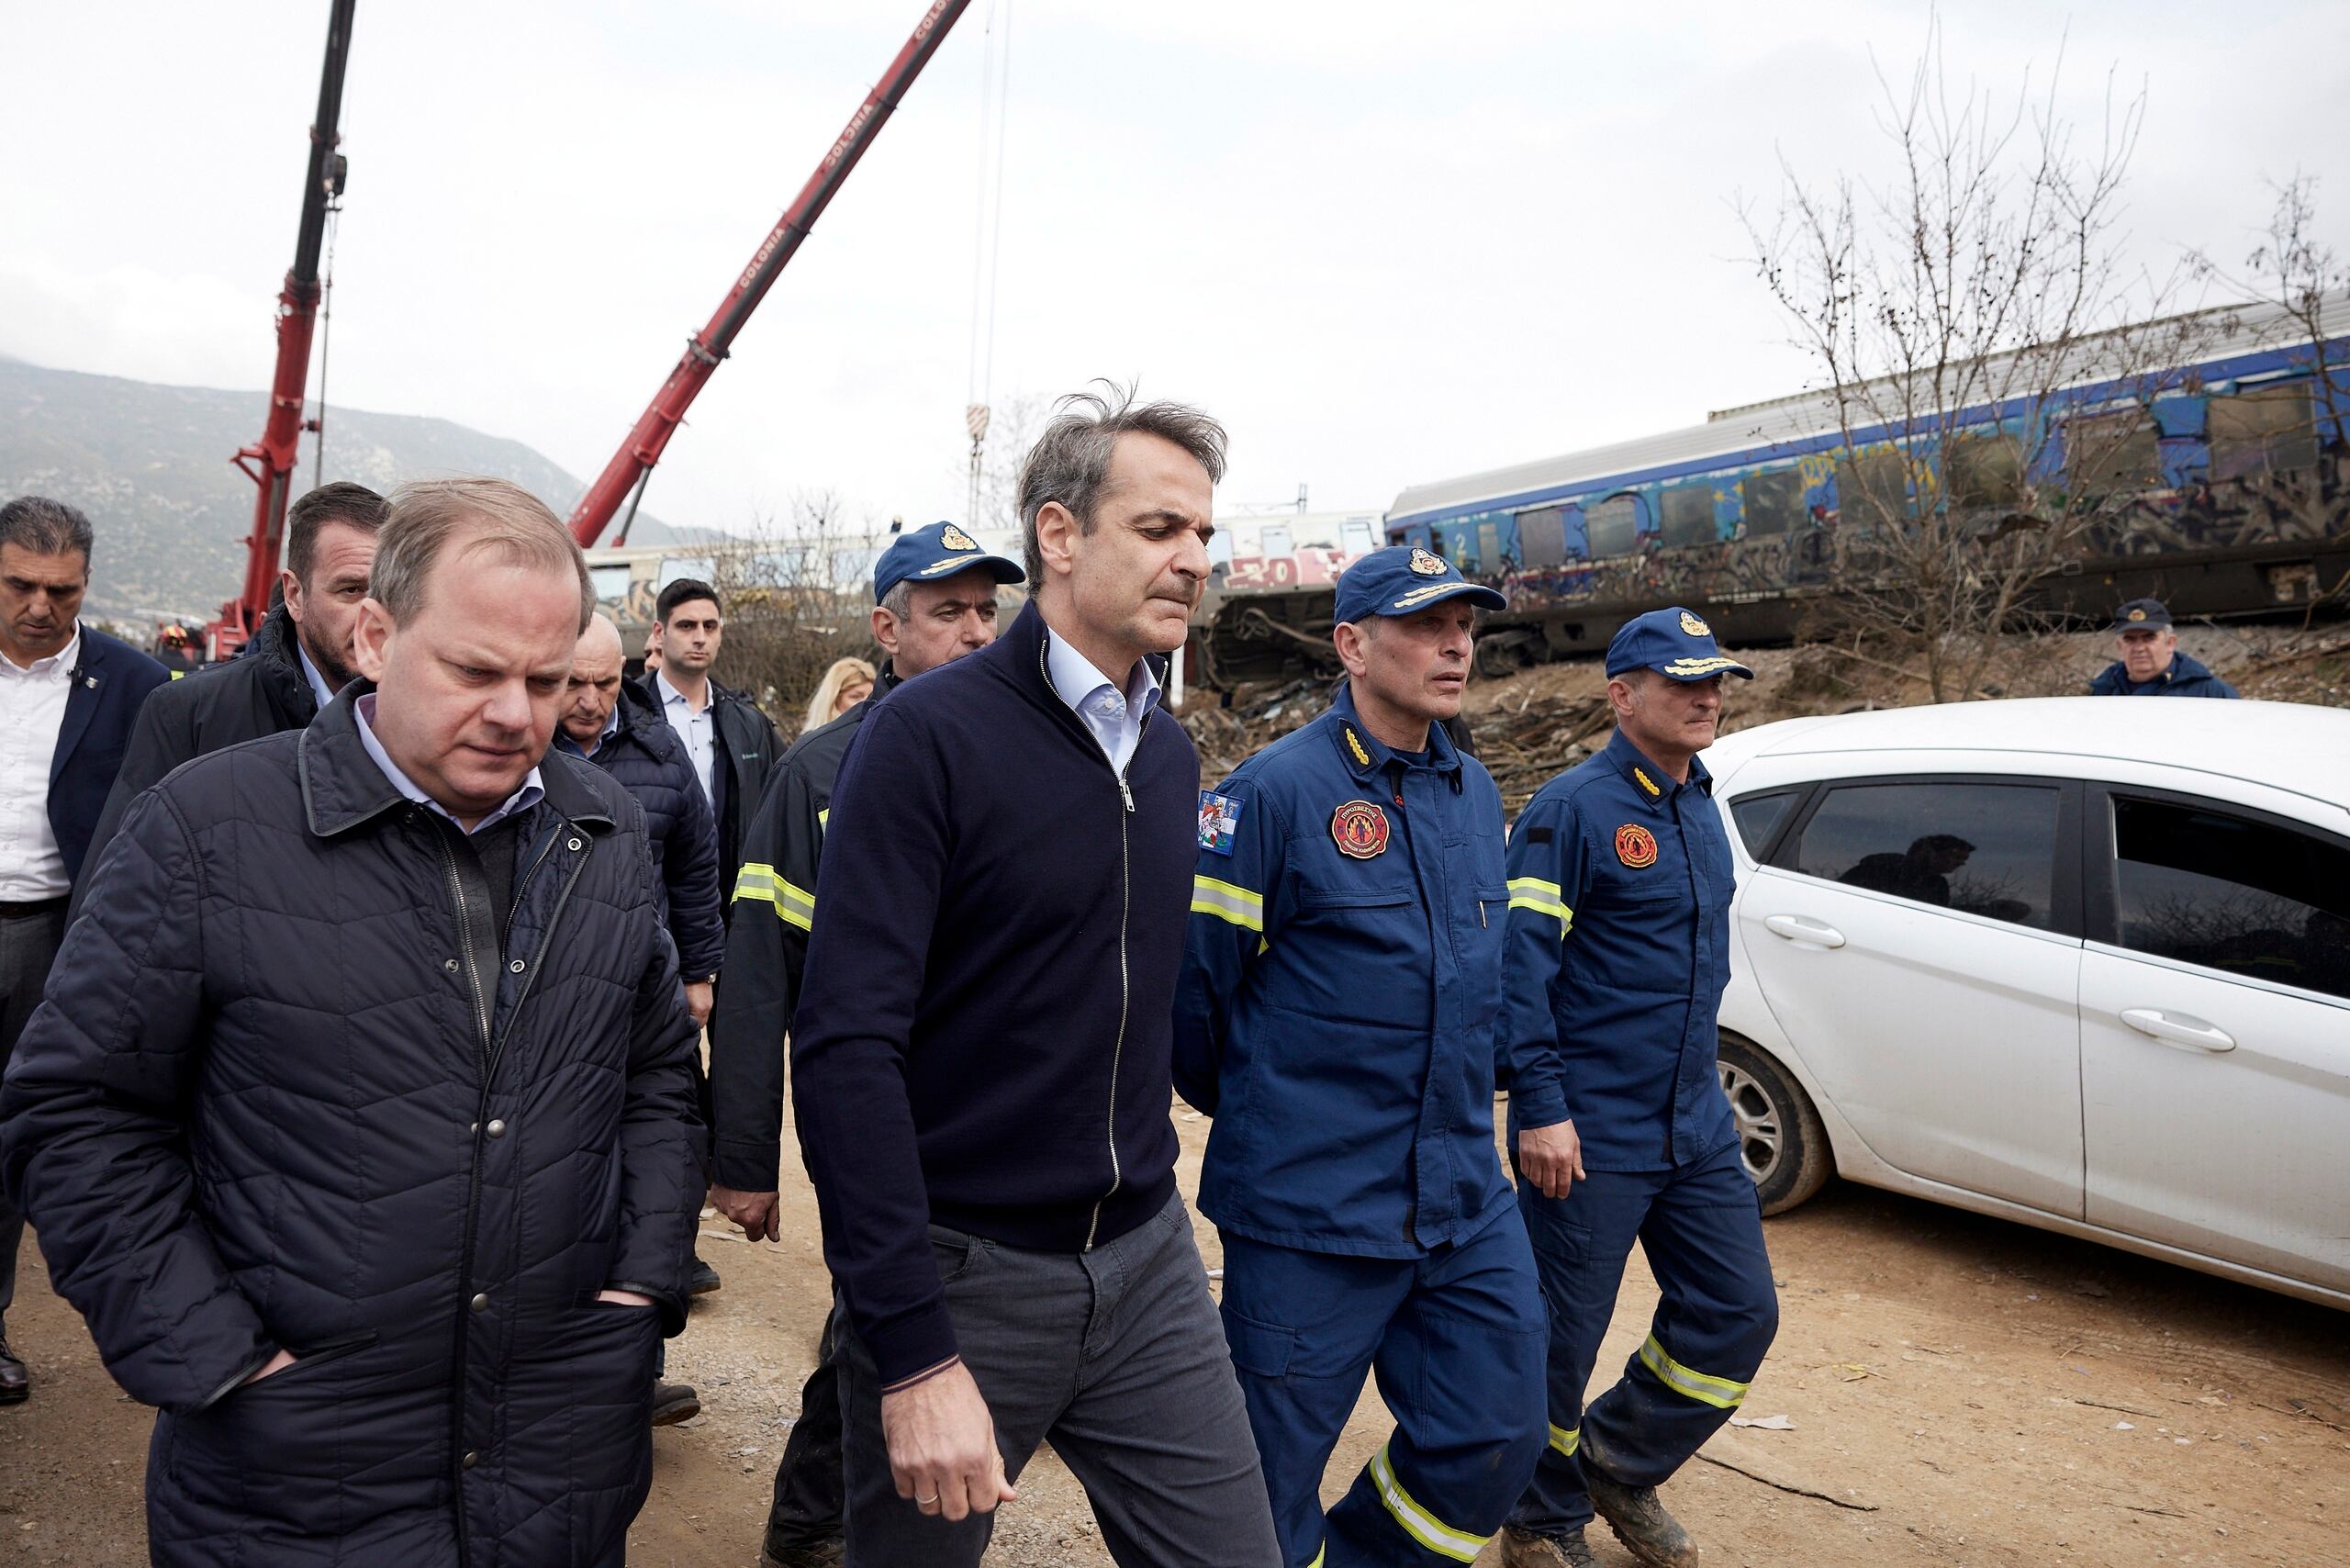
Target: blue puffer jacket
288 1091
646 757
2186 677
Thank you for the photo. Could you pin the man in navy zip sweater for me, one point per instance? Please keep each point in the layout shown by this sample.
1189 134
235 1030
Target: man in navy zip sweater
980 1056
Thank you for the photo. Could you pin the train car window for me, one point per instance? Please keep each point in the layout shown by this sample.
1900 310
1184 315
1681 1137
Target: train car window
2266 431
1613 526
1357 536
1689 515
611 584
1772 502
1542 536
2105 454
675 566
1985 470
1873 490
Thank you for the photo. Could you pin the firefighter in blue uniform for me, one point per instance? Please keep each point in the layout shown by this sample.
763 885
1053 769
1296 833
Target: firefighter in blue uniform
1336 1016
1620 884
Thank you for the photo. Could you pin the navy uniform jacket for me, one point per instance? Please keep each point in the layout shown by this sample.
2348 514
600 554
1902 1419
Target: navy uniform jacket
1620 884
2186 677
1336 1008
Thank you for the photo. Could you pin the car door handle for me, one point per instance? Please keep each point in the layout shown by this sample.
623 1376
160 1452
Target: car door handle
2178 1029
1796 928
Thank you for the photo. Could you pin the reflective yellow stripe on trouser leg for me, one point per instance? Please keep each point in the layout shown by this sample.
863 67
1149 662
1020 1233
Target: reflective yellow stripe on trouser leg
1417 1522
1564 1442
1720 1392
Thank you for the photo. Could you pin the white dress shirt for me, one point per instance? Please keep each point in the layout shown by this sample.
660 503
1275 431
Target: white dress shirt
699 730
1114 717
310 672
32 712
522 799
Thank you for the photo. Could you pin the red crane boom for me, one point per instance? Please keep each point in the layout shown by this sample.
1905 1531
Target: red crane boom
625 476
270 461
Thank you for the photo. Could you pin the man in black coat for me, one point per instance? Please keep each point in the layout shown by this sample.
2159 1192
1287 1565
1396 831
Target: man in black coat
298 658
67 694
607 724
360 1123
731 743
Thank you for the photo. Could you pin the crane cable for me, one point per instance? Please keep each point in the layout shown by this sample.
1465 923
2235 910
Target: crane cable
987 237
326 342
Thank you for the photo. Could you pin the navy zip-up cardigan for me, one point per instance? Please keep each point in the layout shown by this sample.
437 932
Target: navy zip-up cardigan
983 1037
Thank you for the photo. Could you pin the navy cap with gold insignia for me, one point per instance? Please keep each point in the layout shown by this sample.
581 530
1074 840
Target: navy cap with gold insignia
939 551
2141 615
1674 643
1403 579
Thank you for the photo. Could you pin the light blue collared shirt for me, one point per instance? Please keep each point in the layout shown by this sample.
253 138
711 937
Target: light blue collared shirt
612 728
522 799
1114 717
317 682
698 731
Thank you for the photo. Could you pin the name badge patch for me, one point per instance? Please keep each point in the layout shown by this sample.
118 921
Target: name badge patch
1360 830
1635 846
1219 820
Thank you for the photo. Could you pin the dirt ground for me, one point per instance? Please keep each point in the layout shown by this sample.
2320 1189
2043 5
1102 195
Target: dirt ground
1961 1391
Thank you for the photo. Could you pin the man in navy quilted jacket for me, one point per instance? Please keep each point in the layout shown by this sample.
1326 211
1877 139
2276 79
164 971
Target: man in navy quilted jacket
359 1121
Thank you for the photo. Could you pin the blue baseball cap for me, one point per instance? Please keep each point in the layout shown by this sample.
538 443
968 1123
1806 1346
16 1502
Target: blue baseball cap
1403 579
939 551
1672 642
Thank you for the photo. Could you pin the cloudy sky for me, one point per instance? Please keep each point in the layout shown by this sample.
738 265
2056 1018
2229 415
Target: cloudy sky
1386 242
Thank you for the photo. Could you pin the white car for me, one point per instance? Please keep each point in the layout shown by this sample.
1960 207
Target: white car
2080 962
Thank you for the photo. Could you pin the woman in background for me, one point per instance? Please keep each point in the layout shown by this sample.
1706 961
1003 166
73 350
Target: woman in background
846 684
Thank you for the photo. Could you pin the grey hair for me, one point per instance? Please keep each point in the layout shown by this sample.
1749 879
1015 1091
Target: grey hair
899 601
484 517
46 527
1070 462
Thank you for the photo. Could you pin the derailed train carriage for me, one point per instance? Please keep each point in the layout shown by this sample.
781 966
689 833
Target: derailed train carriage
2222 482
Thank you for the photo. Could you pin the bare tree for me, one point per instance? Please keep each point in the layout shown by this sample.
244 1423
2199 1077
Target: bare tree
1955 312
1012 428
797 597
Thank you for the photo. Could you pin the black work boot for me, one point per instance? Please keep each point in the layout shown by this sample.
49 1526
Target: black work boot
1522 1551
1638 1520
16 1383
701 1280
829 1554
675 1402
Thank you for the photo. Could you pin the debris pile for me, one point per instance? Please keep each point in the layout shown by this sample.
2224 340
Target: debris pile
1525 738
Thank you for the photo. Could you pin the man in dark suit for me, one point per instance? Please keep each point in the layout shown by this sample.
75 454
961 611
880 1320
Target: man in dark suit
68 693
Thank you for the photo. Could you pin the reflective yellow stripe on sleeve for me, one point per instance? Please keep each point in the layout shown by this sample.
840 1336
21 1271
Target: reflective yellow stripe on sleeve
1718 1392
1226 902
1542 898
793 905
1417 1522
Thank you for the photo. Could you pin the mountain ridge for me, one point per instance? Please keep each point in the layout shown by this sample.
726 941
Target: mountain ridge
150 464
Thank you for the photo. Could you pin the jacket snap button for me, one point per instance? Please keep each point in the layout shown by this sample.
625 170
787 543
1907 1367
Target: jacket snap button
573 845
450 965
517 965
496 1129
472 1459
473 1127
481 1303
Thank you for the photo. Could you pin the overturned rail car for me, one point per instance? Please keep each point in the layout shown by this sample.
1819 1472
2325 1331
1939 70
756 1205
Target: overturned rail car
2218 481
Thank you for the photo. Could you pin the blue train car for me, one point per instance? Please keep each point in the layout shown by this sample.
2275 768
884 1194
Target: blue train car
2221 483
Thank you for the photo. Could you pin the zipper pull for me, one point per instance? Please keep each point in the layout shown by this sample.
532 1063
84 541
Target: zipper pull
1125 794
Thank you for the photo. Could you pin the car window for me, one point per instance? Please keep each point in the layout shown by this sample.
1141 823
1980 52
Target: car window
1758 818
1987 849
2229 892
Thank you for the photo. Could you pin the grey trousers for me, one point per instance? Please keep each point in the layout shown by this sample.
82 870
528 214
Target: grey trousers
1117 1357
28 944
